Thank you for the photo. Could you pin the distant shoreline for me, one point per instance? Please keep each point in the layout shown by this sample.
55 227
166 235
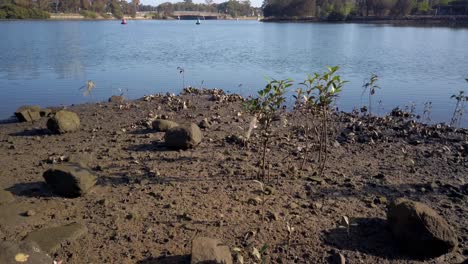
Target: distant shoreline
407 20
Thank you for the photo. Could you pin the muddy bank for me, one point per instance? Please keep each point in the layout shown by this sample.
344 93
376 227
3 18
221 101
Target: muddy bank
150 201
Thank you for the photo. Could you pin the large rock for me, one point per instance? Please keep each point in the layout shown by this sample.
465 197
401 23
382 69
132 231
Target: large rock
28 113
118 99
49 239
420 230
63 122
183 137
162 125
6 197
25 252
70 180
208 250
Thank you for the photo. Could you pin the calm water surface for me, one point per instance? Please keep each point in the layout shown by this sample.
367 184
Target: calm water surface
45 62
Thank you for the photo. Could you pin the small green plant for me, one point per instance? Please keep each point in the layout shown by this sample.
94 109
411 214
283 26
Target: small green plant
264 107
459 109
316 99
370 86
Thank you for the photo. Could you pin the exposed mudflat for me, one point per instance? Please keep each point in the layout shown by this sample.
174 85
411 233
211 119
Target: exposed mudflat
150 202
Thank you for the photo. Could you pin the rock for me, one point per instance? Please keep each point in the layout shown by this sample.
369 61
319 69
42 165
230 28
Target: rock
255 201
28 113
30 213
315 179
6 197
204 123
25 252
183 137
208 250
70 180
116 99
63 122
421 231
49 239
162 125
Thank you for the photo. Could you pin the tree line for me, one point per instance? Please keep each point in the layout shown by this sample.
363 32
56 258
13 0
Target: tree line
118 8
340 9
232 8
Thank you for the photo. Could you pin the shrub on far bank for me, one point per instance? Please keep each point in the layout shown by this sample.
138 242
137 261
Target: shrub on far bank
11 11
89 14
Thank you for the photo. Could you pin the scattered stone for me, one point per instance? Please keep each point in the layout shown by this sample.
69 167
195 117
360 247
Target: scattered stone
183 137
161 125
116 99
30 213
6 197
420 230
63 122
254 201
70 180
208 250
49 239
28 113
315 179
25 252
273 215
204 123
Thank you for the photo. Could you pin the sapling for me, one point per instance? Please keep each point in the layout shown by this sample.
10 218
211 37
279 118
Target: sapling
265 107
370 86
316 98
88 87
182 72
459 110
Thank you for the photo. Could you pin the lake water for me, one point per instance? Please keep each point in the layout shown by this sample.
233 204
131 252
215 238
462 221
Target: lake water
46 62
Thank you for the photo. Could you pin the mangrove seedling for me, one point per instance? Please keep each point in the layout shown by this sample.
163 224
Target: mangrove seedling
370 86
459 109
265 107
316 99
182 73
88 87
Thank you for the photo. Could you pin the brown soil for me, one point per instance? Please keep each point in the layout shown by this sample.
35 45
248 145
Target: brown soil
150 202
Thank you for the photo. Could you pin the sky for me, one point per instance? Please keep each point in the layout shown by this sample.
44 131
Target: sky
256 3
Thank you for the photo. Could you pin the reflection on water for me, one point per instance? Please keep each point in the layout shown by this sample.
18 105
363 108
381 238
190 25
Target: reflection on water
45 62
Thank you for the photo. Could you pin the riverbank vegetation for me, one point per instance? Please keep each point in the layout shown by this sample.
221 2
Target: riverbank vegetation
343 9
11 11
98 9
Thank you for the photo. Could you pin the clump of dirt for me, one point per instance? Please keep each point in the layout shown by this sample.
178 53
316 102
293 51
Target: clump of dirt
151 201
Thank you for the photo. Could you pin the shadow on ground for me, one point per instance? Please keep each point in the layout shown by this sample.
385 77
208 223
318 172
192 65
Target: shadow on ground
31 132
185 259
31 189
370 236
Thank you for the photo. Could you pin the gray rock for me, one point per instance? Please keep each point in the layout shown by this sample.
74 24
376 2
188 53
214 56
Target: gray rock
207 250
204 123
116 99
63 122
183 137
28 113
70 180
6 197
420 230
25 252
162 125
49 239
